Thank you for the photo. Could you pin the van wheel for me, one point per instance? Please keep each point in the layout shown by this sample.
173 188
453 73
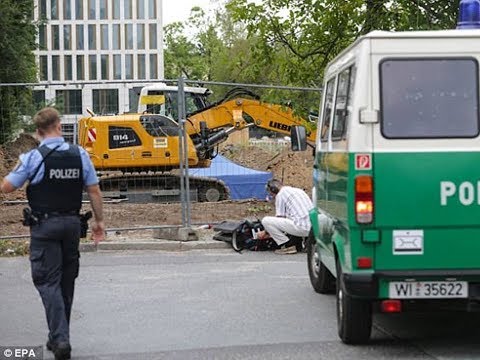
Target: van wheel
321 278
354 316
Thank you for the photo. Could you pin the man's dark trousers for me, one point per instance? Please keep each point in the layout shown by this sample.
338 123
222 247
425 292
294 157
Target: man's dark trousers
54 259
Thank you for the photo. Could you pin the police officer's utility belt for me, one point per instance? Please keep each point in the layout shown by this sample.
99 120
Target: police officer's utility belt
51 214
31 217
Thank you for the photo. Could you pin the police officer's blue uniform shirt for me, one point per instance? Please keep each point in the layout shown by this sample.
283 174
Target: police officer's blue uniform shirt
30 161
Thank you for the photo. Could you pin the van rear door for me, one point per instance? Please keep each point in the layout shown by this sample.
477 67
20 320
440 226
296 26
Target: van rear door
426 163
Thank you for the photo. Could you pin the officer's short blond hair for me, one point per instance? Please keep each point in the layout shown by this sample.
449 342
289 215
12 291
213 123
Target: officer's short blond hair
46 119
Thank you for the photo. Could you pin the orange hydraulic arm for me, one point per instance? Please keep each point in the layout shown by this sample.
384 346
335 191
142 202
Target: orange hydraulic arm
240 113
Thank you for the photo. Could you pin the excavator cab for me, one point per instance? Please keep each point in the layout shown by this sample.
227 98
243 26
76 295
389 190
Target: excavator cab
162 99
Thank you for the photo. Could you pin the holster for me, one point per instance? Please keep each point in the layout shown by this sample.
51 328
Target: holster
84 223
28 218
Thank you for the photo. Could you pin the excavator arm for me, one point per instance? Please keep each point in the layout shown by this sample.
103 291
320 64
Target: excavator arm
213 125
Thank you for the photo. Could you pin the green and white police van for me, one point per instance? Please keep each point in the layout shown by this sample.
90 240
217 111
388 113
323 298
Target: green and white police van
396 222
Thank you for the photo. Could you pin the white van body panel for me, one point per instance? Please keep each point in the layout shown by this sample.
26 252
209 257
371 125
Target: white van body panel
366 53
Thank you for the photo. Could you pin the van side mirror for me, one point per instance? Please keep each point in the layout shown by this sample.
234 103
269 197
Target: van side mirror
298 136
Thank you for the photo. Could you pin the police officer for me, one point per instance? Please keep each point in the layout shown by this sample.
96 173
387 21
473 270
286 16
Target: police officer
57 173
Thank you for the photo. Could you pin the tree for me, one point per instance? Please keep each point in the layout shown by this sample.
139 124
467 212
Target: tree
17 63
312 32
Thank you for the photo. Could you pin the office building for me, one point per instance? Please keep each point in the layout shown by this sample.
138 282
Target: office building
96 53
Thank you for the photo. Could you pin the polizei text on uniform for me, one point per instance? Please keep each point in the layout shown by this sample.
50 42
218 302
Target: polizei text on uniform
64 173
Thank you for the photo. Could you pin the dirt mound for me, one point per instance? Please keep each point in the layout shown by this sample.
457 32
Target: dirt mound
23 143
3 169
9 152
9 156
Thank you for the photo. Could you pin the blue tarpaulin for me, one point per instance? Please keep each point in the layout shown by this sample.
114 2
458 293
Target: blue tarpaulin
243 182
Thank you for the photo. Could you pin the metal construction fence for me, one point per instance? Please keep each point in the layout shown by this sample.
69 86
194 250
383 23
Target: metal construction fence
173 152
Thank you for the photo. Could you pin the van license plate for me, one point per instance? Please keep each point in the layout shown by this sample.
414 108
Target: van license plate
428 289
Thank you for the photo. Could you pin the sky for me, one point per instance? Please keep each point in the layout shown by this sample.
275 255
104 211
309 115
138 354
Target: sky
179 10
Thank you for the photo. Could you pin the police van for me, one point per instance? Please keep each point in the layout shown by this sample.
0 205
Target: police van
396 222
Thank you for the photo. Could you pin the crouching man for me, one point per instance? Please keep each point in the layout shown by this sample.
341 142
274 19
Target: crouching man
292 206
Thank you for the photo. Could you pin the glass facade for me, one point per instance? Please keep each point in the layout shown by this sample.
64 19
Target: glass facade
104 66
152 9
116 39
67 37
129 36
67 67
55 67
140 36
116 9
54 10
104 9
92 37
92 67
128 66
140 9
79 9
80 37
42 37
55 37
43 65
71 101
152 32
117 67
127 9
104 35
67 10
96 40
141 73
91 9
80 67
153 66
43 9
105 101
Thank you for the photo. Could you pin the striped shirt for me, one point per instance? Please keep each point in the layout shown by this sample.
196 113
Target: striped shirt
294 204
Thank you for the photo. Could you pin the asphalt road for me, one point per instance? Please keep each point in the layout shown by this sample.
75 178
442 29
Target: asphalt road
215 304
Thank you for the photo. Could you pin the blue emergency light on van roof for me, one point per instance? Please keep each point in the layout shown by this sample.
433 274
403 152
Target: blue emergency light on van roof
469 14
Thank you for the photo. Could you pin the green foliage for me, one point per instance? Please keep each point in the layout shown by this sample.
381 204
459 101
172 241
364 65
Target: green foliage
17 63
309 33
259 209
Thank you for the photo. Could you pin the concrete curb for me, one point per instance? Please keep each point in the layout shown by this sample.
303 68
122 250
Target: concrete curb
166 245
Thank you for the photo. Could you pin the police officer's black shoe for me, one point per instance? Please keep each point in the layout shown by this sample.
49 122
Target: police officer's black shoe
62 351
50 345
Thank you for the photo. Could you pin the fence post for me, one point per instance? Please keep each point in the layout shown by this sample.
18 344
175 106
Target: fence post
183 152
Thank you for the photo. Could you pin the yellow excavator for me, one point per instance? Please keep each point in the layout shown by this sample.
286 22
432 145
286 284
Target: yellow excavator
135 153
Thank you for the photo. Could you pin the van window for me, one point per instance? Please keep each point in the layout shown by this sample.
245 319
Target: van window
429 98
327 108
342 103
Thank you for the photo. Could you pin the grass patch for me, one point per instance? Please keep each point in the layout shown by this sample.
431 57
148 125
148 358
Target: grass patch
10 248
260 209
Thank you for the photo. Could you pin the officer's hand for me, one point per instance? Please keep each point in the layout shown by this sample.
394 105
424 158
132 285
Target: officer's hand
98 232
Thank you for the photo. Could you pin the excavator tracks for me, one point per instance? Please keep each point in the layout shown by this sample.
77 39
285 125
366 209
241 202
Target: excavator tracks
147 188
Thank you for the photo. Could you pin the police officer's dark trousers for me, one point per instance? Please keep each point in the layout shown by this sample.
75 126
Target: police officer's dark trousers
54 258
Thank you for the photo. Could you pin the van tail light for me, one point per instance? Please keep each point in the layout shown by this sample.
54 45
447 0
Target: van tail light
364 199
391 306
364 262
